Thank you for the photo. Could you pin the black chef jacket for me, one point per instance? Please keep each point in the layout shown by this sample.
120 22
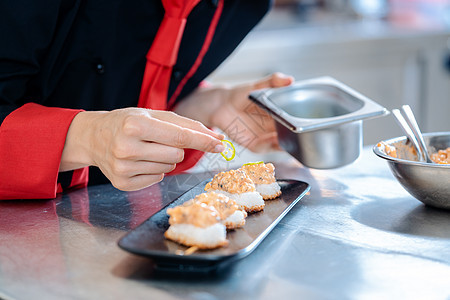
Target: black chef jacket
90 54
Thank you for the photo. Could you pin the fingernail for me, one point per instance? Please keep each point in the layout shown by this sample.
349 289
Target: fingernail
219 148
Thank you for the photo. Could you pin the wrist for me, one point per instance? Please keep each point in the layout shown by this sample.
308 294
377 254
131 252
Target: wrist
76 153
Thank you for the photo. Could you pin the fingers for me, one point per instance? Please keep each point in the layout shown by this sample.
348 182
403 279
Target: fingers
274 80
185 122
128 169
137 182
148 151
135 147
171 134
128 175
134 166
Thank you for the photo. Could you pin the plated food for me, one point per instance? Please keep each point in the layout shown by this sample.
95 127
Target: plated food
229 212
263 175
202 222
196 225
148 238
237 185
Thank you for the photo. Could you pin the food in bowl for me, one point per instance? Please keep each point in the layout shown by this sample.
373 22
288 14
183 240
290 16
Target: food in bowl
399 150
441 157
388 149
427 182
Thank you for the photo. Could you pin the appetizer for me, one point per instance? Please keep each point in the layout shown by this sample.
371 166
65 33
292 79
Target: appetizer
229 212
263 176
196 224
236 185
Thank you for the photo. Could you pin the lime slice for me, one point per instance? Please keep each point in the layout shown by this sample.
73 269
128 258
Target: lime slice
230 152
253 163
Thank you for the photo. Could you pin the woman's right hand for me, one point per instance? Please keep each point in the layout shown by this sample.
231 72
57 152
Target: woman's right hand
134 147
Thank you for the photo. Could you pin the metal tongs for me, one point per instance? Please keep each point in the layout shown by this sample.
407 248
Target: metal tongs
408 123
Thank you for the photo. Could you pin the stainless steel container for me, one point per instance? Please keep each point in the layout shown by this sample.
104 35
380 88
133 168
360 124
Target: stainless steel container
319 121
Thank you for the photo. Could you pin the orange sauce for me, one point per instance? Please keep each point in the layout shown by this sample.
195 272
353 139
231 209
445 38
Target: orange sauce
197 214
233 181
260 173
224 205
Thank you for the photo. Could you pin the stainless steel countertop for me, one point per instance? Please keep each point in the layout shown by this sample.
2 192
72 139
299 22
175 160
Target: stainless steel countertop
357 235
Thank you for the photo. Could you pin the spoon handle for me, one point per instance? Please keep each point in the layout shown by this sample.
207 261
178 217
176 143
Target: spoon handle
407 130
411 120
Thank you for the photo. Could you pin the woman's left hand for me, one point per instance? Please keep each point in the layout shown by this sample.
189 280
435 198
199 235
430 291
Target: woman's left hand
230 109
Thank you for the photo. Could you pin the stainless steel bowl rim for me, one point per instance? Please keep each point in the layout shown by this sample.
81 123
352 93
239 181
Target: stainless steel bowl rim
379 153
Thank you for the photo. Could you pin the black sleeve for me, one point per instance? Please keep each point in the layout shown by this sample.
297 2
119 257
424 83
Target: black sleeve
27 31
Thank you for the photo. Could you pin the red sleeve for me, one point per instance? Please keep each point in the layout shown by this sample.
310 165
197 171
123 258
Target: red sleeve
31 143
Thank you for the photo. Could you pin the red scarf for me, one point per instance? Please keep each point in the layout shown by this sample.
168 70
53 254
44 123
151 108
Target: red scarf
162 57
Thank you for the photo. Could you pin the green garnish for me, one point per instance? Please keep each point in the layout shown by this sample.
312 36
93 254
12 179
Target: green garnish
253 163
230 152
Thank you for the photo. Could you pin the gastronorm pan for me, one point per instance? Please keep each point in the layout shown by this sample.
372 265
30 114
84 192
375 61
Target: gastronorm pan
319 121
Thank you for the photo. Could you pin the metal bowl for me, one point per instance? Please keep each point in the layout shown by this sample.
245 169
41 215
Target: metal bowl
319 121
428 183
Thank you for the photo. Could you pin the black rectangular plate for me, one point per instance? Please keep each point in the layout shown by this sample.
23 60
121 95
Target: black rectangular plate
148 238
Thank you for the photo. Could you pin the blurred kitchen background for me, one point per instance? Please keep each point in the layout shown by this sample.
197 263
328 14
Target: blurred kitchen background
394 51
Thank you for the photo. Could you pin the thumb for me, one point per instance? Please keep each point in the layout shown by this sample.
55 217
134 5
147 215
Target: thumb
274 80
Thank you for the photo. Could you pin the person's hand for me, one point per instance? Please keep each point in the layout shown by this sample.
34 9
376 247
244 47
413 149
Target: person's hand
244 121
134 147
230 109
